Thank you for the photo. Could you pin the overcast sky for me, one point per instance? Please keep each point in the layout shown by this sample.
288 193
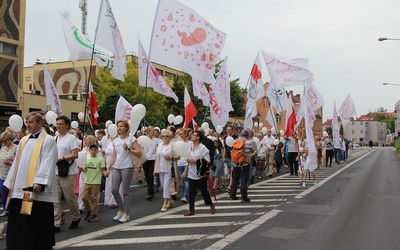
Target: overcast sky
340 39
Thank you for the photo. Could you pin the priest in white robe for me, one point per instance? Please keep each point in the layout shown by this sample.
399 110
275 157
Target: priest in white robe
32 184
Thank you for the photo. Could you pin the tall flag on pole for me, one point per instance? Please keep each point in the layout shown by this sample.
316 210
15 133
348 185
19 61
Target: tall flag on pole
123 110
277 96
109 36
200 90
286 71
255 91
270 118
347 110
290 117
220 100
335 125
311 161
183 40
52 97
154 79
190 109
93 106
80 48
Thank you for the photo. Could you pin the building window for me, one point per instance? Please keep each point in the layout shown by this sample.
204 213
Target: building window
8 49
361 131
361 123
353 131
352 123
278 119
170 75
265 101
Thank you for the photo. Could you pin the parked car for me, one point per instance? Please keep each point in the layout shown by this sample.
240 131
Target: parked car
355 144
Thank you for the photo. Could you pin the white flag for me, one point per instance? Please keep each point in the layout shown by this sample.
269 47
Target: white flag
183 40
108 36
200 90
347 110
270 118
311 162
222 86
314 98
255 91
335 126
123 110
51 93
277 96
154 79
286 71
220 98
80 48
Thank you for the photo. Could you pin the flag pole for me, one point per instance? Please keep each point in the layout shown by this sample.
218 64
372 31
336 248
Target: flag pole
149 57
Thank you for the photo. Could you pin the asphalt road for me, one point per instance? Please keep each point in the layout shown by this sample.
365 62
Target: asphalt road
354 206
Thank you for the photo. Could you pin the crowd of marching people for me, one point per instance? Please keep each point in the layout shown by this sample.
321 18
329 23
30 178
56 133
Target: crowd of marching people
226 161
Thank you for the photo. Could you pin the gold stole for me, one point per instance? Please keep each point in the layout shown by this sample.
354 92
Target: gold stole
27 201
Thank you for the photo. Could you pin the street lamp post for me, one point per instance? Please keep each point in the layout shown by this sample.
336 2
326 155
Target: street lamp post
381 39
387 83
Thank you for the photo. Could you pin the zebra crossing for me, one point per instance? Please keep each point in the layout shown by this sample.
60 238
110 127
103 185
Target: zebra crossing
232 220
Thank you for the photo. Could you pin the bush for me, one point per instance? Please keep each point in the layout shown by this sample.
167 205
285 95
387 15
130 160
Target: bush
398 146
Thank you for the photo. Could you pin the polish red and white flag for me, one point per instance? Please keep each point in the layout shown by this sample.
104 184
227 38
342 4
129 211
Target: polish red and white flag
190 109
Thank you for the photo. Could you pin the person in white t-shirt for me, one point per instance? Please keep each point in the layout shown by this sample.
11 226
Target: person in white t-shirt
121 164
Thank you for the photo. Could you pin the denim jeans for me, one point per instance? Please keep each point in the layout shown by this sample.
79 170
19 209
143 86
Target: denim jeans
185 183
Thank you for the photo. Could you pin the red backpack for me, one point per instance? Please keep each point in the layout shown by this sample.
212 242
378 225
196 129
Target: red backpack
237 153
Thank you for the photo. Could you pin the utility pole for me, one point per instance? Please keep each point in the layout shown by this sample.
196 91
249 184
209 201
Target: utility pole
83 6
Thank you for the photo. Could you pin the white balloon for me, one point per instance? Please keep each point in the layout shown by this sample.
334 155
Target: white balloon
95 132
205 126
108 122
74 124
255 124
281 132
229 141
171 118
178 119
181 149
219 129
325 134
275 142
81 161
81 115
15 122
273 131
137 112
144 141
207 131
264 130
260 125
51 117
112 130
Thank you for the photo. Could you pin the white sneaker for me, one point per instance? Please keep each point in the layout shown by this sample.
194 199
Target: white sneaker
315 183
304 184
124 218
118 216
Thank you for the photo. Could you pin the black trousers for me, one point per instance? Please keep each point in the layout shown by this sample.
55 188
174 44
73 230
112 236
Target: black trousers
328 156
200 184
35 231
148 168
243 174
293 164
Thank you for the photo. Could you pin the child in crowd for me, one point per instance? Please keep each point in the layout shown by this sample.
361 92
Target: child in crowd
94 169
302 170
278 159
